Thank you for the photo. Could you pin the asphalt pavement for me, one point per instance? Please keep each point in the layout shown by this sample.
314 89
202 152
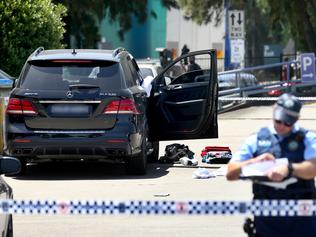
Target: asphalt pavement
107 181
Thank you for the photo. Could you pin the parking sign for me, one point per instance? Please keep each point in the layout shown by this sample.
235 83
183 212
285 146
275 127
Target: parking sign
308 67
237 47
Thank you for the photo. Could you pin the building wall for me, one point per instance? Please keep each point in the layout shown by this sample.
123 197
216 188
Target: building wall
197 37
158 28
142 39
168 30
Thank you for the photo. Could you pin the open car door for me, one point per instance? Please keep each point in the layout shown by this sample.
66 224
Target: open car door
183 101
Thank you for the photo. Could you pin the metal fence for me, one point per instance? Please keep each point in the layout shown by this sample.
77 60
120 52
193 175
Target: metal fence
262 81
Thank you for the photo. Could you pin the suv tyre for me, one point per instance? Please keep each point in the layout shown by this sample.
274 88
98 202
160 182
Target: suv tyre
154 155
137 165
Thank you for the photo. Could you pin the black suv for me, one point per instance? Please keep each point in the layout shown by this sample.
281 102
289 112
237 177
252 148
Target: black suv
89 104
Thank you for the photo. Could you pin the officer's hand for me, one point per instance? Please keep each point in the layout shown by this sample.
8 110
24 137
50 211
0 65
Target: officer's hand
277 174
264 157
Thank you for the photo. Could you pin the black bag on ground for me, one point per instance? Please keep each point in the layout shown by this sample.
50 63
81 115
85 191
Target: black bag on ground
174 152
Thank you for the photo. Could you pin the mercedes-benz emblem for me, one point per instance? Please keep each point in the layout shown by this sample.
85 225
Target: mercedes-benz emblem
69 94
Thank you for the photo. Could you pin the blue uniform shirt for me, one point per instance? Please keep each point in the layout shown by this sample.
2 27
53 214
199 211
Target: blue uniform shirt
249 148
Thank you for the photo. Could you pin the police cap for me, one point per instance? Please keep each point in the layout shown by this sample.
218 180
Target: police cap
287 109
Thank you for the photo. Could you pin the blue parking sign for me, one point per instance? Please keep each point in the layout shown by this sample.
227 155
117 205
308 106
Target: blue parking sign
308 67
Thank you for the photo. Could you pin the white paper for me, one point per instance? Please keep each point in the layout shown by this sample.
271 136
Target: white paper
261 168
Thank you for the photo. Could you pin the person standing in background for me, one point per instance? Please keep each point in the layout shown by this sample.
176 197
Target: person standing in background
185 50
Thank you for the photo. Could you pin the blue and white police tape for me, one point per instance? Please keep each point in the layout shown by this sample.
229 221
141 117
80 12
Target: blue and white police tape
168 207
230 98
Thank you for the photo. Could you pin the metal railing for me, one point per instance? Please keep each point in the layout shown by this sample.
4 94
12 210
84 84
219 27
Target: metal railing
263 81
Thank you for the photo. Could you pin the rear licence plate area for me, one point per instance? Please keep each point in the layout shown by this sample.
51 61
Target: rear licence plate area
69 110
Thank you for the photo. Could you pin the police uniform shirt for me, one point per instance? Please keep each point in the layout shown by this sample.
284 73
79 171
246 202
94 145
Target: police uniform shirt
248 149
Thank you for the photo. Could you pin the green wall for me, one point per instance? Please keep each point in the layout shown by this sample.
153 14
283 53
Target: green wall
142 39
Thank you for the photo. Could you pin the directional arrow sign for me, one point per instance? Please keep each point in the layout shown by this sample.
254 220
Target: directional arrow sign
308 67
236 24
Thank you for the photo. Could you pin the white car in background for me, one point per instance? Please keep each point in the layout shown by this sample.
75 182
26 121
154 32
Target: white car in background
5 80
149 67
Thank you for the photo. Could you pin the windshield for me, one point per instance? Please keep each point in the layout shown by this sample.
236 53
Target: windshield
60 74
146 72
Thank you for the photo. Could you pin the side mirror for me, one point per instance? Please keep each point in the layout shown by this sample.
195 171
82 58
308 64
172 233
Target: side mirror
9 165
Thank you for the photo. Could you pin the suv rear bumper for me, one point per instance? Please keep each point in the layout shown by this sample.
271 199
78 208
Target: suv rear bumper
65 146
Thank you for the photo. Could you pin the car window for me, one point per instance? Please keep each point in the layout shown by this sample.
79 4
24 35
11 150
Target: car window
135 77
233 80
58 75
159 69
180 73
146 72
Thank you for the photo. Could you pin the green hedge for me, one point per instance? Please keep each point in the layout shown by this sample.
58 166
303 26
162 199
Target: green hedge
25 26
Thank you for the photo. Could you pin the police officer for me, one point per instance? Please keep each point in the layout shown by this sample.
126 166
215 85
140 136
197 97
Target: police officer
283 139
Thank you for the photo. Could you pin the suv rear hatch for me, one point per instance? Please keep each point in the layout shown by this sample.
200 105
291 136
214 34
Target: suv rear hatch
70 95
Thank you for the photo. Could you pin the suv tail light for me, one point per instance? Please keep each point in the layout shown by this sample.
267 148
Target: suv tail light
121 107
18 106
